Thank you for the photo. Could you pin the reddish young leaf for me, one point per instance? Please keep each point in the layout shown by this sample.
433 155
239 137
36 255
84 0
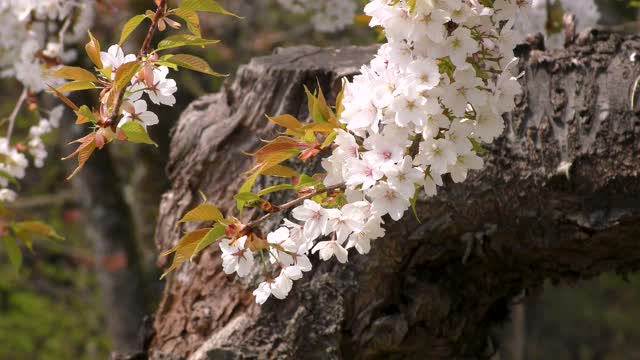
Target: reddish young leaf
286 121
64 98
93 50
83 152
280 171
281 144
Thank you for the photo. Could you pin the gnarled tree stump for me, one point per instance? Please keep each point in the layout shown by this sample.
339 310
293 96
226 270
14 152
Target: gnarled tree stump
558 199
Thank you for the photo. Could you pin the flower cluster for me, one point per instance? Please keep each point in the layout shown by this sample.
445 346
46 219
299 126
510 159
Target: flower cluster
25 36
27 47
419 111
151 81
326 16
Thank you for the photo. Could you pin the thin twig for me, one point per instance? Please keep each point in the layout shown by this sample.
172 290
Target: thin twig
14 113
292 203
63 31
144 49
41 201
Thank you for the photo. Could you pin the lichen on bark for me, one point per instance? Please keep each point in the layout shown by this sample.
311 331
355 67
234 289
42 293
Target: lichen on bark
559 199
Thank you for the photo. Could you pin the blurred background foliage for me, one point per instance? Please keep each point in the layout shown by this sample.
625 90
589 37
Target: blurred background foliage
52 309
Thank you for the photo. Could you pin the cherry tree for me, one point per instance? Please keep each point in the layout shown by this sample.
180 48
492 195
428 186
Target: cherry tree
420 117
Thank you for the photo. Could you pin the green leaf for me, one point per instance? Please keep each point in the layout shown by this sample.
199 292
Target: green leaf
340 99
329 140
412 5
315 107
477 147
37 228
246 188
130 26
183 40
246 196
13 251
306 180
555 14
85 112
136 133
125 73
206 6
280 171
77 86
275 188
191 18
204 212
73 73
107 72
193 63
215 234
167 64
185 248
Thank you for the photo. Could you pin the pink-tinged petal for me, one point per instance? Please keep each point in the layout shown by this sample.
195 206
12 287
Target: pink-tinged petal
140 106
303 263
312 230
149 118
341 254
302 213
319 246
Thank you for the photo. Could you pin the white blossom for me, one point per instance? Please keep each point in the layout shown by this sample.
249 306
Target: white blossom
315 217
328 249
235 258
138 112
114 58
387 200
437 87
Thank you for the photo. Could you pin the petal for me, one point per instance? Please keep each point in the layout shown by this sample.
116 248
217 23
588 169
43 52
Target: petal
293 272
341 254
302 213
140 106
149 118
312 230
303 263
319 246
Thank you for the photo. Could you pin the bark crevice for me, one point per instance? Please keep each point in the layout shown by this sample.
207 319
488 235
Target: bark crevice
559 199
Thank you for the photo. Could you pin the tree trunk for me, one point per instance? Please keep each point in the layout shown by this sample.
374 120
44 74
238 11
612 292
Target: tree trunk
559 199
110 232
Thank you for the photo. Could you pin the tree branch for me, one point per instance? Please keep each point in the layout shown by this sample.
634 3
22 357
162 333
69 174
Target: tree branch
292 203
154 23
14 113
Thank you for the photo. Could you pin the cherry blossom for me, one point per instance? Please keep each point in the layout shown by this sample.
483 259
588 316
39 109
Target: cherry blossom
137 111
328 249
114 58
316 219
387 200
236 258
161 90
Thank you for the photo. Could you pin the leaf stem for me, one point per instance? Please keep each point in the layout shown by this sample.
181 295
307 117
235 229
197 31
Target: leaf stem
292 203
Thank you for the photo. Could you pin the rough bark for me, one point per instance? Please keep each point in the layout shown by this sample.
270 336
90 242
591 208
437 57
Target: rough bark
559 199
